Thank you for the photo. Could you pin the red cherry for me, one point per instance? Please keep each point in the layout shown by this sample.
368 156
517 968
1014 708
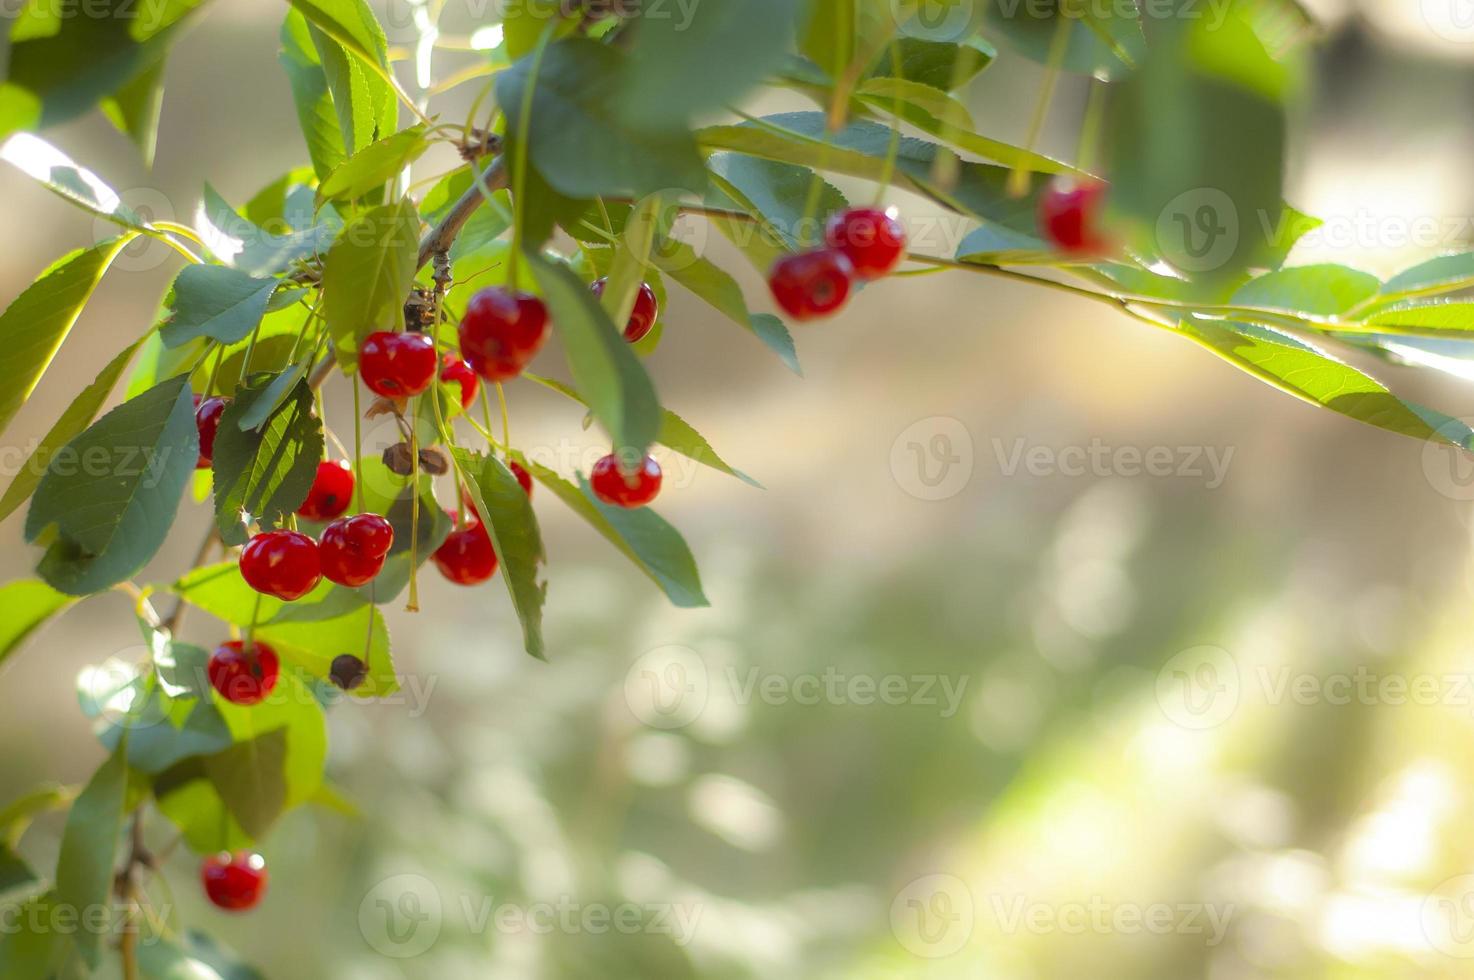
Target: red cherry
642 317
454 370
619 489
811 284
234 882
872 239
502 332
523 477
397 365
331 493
284 564
207 412
353 549
467 557
242 677
1069 216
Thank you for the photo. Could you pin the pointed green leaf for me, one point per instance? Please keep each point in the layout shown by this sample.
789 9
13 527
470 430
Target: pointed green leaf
368 275
28 605
111 493
374 166
89 846
265 474
507 515
33 327
1322 290
217 302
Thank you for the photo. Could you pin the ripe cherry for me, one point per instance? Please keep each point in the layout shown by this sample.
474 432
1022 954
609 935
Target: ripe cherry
872 239
397 365
353 549
207 412
467 557
284 564
502 332
642 317
234 882
1069 216
811 284
620 489
331 493
244 676
453 370
523 477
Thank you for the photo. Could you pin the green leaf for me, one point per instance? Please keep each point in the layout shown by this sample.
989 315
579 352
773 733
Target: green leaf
89 845
1454 317
368 275
351 23
1323 290
609 374
61 66
15 874
217 302
710 282
135 109
28 605
78 415
1105 42
935 112
1315 377
524 22
242 244
860 149
1436 274
111 493
776 194
224 961
1196 147
159 959
34 326
507 514
70 181
374 166
579 139
315 111
940 64
31 953
654 546
995 245
266 474
681 66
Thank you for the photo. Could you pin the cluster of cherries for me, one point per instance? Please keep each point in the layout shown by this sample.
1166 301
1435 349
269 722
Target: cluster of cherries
859 243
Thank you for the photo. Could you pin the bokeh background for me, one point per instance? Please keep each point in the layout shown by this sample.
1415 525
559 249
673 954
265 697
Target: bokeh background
1216 723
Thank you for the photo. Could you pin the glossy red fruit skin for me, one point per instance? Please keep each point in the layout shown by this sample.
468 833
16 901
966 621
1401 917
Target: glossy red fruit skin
523 477
283 564
240 677
1069 216
207 413
872 239
234 882
467 557
331 493
618 489
811 284
502 332
353 549
453 370
397 365
642 317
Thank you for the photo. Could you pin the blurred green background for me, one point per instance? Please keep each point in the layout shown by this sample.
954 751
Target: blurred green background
1105 724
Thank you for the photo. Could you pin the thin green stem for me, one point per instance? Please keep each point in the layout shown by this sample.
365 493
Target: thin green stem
519 173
